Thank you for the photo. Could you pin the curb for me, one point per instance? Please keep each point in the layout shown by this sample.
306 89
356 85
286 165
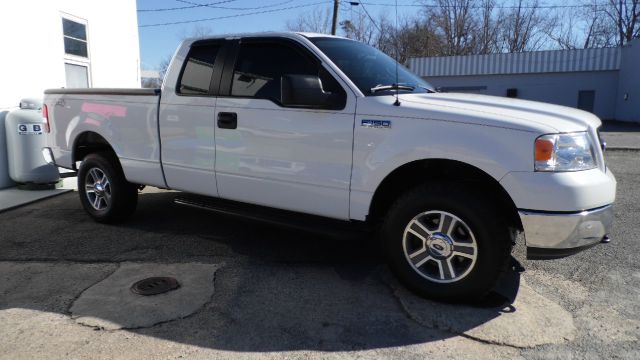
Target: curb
65 191
622 148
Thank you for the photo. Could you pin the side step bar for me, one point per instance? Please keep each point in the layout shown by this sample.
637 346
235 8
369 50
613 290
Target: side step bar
277 217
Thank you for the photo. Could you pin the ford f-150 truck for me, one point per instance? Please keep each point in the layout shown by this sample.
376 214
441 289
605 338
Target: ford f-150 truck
286 124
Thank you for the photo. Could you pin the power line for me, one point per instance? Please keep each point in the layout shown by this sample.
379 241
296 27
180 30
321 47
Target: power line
238 8
187 7
370 18
481 7
234 16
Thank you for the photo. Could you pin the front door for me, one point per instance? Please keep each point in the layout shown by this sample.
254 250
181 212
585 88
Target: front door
268 154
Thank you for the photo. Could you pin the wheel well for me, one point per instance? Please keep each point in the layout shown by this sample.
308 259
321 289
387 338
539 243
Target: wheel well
414 173
87 143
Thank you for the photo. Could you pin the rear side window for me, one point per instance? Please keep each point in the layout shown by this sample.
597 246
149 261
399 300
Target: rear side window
198 70
260 67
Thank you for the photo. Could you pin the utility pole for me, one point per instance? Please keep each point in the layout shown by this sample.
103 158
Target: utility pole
334 23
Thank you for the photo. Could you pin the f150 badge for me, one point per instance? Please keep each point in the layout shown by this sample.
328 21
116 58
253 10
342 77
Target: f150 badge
378 124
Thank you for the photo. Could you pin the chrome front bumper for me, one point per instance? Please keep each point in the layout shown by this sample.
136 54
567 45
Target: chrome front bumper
554 235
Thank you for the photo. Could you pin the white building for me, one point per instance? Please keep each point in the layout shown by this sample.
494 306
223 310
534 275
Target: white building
603 81
66 43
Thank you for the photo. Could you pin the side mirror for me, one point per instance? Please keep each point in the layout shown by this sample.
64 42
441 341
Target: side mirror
306 91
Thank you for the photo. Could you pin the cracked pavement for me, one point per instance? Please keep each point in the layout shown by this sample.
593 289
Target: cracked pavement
280 293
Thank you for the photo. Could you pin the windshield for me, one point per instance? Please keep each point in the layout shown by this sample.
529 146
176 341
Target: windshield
373 72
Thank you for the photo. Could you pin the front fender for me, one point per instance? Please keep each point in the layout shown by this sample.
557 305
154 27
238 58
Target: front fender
379 151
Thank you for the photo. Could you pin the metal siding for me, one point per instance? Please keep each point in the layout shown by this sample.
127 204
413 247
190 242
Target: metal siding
487 62
556 61
587 59
465 63
519 63
447 66
590 59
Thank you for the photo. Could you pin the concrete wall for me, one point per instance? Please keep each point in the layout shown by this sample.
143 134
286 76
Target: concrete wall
32 57
556 88
628 97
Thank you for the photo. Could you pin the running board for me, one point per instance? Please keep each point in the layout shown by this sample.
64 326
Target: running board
277 217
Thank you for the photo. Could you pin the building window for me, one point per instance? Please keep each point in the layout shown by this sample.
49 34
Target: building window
75 38
77 65
77 76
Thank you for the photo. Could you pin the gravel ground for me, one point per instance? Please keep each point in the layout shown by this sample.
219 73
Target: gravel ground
286 294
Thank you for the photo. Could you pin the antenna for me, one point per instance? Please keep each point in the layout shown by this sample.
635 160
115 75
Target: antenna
397 103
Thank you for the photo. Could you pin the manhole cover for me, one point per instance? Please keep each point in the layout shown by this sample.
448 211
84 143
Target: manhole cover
154 286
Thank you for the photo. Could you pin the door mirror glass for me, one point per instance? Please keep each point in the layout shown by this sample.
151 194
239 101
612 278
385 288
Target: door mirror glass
306 91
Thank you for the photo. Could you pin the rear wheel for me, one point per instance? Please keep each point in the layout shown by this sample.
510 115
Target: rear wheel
446 242
104 192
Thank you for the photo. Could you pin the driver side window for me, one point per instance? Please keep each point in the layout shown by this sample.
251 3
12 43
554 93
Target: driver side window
260 66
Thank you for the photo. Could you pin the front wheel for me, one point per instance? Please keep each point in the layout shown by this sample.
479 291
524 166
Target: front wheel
104 192
446 242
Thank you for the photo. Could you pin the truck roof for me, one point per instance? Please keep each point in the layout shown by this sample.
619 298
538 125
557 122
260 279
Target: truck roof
286 34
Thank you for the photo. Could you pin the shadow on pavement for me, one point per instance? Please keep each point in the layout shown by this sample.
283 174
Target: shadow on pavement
277 290
619 126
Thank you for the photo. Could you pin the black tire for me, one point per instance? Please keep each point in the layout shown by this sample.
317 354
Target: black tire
478 221
118 199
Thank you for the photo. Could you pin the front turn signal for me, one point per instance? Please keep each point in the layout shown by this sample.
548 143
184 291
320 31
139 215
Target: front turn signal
544 149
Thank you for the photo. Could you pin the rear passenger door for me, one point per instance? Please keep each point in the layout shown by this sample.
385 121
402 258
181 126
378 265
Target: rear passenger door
293 158
187 119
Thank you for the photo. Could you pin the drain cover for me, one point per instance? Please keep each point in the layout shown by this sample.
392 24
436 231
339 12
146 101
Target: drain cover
154 286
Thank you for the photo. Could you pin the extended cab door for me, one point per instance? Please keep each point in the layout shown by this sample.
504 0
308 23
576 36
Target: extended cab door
187 118
294 158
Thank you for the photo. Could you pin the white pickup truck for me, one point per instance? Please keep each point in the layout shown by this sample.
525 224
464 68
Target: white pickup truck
314 127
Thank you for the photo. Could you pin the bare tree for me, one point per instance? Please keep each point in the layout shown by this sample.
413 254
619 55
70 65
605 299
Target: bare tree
196 32
488 28
598 33
597 24
411 38
626 16
360 27
586 27
454 22
524 27
164 67
317 20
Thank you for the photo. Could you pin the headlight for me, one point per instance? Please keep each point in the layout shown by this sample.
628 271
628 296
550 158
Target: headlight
564 152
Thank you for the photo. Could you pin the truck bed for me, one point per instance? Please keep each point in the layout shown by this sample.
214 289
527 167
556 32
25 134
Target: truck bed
125 118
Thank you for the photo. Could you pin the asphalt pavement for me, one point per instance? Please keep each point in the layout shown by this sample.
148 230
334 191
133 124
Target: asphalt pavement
621 135
255 291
